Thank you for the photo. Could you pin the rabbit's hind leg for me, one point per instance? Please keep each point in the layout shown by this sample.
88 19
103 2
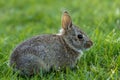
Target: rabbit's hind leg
30 64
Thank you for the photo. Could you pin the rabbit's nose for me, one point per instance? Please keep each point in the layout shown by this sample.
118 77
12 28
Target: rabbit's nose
88 44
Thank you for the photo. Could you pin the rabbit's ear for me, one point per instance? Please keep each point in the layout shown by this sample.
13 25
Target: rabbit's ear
66 20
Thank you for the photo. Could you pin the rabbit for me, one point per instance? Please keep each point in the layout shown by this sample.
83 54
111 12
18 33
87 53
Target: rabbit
43 52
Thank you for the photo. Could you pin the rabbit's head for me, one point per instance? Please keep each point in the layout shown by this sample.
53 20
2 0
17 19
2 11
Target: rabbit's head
73 36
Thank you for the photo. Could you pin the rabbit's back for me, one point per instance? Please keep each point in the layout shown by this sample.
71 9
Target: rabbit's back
45 48
41 46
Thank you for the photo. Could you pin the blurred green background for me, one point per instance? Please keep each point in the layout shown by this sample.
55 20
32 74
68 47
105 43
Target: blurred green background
100 19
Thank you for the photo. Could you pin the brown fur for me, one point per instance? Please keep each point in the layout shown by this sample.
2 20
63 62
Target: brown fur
50 51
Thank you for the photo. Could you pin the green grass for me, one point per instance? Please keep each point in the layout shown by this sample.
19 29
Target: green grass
20 20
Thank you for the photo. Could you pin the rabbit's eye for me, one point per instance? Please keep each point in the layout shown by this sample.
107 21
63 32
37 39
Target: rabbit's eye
80 36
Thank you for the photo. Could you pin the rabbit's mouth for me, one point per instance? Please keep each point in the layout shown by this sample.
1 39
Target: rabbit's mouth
88 44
